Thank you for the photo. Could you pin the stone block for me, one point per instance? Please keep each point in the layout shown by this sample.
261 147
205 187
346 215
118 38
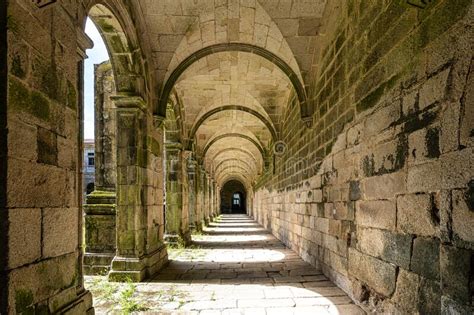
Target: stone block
42 280
416 215
384 186
451 306
382 119
35 185
55 222
391 247
322 225
378 214
455 264
425 258
47 147
449 137
434 89
24 238
409 103
22 140
457 168
425 177
406 293
375 273
429 297
423 144
463 215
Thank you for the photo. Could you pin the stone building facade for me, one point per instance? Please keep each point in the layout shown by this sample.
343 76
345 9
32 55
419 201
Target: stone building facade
88 168
349 124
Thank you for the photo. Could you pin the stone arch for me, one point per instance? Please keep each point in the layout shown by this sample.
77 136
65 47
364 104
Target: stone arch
251 111
117 29
237 163
235 175
239 159
246 152
240 47
233 167
235 135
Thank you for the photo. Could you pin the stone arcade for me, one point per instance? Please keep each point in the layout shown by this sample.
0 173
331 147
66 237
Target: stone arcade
345 128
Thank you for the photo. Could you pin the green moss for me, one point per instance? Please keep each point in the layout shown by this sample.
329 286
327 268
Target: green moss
17 68
12 25
39 106
374 97
104 26
24 302
443 17
154 146
18 95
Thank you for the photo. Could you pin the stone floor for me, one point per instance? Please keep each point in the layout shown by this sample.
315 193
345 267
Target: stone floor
234 267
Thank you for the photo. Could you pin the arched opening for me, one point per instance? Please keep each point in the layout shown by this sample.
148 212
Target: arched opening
99 145
233 198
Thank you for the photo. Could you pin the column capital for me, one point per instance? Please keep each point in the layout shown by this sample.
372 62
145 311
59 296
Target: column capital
83 43
173 146
128 102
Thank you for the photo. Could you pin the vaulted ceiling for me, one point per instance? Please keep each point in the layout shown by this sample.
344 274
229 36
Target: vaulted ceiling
232 67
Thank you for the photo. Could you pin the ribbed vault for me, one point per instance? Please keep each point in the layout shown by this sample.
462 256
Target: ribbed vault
232 68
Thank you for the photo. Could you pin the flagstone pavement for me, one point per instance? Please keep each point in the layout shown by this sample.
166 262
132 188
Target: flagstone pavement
234 267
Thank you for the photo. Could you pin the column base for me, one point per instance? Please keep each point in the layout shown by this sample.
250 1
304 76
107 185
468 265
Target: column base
183 239
137 269
97 263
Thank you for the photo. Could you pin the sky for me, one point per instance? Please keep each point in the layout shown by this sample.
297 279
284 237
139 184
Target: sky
95 55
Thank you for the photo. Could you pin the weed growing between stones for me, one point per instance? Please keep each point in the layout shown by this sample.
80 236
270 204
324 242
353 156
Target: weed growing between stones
117 296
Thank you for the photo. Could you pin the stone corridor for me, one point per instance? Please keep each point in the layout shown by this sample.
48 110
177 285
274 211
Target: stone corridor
308 156
235 267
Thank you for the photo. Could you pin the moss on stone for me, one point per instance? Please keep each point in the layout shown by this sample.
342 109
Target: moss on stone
17 67
154 146
104 26
374 97
18 95
39 106
24 302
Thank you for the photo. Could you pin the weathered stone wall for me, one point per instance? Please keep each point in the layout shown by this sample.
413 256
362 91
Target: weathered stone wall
43 252
378 193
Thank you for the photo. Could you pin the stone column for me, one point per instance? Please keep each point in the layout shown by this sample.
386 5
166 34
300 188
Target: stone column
206 202
191 174
140 248
177 221
100 204
199 197
213 198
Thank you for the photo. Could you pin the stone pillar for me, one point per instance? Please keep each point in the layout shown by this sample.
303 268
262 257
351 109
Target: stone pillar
206 203
140 248
100 204
177 220
213 198
199 218
191 174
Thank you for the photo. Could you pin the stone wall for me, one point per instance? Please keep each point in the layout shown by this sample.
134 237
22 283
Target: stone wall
43 271
378 193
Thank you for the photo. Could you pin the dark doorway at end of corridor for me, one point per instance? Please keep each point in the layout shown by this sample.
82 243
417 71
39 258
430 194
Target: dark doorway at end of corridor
233 197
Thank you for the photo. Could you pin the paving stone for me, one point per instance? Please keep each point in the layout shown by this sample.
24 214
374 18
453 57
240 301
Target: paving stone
240 279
